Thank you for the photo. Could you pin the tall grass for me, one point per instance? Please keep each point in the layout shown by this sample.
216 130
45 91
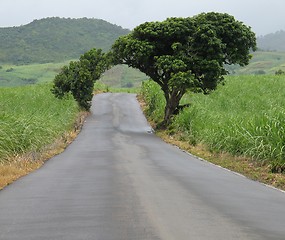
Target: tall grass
155 100
244 117
31 117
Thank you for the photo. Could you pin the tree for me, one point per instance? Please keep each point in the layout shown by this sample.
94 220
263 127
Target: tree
182 54
79 77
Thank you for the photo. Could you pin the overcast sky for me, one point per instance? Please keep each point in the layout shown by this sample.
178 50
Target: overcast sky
264 16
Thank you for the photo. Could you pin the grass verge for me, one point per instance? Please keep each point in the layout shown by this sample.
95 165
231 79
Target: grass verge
34 126
240 126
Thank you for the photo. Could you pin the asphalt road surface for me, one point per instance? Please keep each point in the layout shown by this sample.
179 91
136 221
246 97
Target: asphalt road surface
118 181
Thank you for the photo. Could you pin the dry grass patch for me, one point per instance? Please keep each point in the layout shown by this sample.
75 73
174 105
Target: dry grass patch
11 171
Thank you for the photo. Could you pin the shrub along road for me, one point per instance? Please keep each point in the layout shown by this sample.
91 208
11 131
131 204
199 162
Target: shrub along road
117 180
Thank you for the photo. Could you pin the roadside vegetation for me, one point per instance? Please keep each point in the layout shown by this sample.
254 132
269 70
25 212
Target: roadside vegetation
245 118
34 126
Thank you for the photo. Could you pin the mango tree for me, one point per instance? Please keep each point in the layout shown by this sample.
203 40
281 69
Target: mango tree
182 54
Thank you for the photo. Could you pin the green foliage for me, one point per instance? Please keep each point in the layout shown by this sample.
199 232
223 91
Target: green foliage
81 83
186 53
55 40
244 117
155 101
79 77
31 118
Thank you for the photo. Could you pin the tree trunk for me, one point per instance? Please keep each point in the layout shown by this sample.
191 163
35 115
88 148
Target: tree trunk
168 112
172 103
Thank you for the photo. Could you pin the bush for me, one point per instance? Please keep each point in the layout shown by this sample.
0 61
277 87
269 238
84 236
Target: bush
79 77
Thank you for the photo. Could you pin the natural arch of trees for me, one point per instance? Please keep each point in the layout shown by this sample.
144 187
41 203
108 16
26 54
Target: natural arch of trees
180 54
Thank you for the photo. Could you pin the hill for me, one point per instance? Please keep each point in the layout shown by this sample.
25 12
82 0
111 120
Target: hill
55 39
272 42
261 63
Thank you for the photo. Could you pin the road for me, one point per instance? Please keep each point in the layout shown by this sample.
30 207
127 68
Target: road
118 181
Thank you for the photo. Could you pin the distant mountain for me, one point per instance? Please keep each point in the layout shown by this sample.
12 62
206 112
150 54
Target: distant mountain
272 42
55 39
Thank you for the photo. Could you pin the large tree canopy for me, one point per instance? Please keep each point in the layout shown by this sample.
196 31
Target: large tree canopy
183 54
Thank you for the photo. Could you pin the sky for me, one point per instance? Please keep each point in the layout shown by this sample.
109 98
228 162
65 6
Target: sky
263 16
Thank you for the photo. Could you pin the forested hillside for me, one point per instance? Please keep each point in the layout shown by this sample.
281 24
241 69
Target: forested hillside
272 42
55 39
